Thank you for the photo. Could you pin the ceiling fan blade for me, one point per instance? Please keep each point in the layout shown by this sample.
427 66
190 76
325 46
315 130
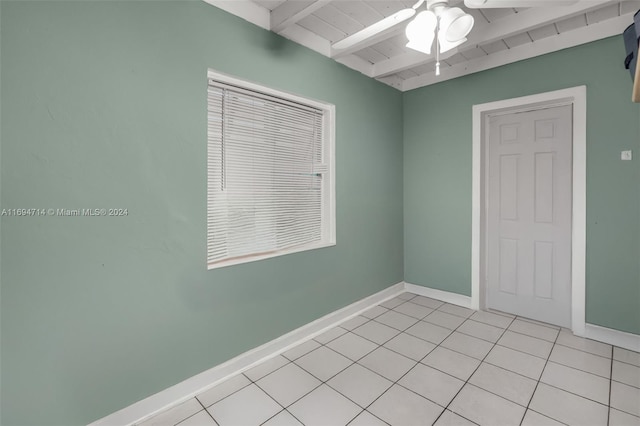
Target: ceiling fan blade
378 27
488 4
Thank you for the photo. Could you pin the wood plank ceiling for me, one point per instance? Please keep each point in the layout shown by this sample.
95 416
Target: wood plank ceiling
499 36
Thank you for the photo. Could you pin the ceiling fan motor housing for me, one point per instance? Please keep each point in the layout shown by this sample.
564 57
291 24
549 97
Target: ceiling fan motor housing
437 6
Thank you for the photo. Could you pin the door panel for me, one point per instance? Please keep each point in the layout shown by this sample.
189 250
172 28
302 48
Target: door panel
509 187
508 266
543 270
529 214
544 187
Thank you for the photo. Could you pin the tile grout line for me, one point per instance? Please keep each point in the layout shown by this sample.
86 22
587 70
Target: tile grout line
540 323
361 412
574 367
252 382
518 374
464 354
321 381
451 331
580 369
378 346
508 371
282 406
574 394
325 344
279 412
577 369
535 337
206 411
544 415
581 350
194 414
416 362
547 341
622 362
474 372
292 362
373 350
387 341
265 392
480 338
403 331
377 373
610 387
325 382
540 378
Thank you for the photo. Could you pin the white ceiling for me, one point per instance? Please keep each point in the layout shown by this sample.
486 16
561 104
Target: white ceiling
499 36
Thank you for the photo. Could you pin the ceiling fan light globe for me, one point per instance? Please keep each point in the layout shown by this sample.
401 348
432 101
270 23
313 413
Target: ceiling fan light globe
455 24
421 32
460 28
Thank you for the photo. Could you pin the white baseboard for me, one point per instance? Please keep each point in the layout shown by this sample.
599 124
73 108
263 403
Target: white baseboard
444 296
613 337
192 386
594 332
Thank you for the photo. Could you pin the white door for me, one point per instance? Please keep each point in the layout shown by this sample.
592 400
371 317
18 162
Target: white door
528 234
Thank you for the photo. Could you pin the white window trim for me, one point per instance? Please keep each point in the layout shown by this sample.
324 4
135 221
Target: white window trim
329 200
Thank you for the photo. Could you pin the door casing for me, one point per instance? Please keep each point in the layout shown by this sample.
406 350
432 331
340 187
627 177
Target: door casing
577 97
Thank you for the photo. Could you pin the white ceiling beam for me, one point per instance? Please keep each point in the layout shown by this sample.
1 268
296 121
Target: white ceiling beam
393 81
358 64
307 38
576 37
381 36
247 10
532 18
517 24
406 61
290 12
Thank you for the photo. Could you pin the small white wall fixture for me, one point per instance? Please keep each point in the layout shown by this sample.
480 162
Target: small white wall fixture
577 97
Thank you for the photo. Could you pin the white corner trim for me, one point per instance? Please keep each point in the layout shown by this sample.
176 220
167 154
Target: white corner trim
579 212
613 337
576 96
443 296
247 10
192 386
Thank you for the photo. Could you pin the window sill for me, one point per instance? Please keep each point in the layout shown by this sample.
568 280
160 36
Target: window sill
248 259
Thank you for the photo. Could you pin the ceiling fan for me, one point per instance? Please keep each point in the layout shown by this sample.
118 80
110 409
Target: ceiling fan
449 25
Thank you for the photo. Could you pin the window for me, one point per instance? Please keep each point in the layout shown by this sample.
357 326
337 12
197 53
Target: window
270 173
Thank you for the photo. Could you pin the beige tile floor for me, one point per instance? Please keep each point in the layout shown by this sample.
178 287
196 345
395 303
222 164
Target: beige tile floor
418 361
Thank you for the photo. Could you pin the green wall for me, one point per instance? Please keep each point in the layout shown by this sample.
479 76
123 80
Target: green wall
437 174
104 105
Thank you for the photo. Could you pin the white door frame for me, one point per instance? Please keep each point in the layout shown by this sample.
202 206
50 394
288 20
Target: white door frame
576 96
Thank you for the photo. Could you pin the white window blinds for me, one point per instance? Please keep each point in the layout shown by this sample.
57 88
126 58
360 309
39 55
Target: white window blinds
265 173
